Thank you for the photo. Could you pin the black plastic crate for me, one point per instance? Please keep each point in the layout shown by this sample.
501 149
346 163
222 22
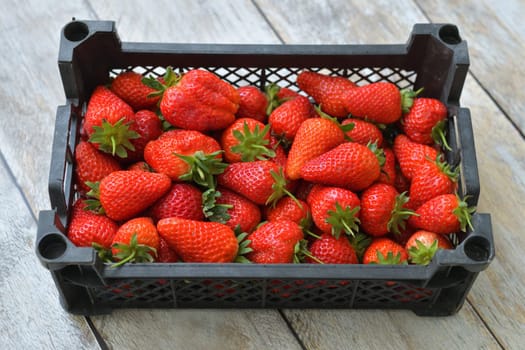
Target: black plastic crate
435 57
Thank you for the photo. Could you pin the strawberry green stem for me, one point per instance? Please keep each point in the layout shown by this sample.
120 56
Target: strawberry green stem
464 213
438 135
114 138
407 98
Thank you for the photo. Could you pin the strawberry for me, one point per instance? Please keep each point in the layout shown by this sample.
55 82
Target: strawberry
410 154
329 92
140 165
382 210
431 179
363 132
274 242
334 210
137 240
425 122
260 181
314 137
243 212
330 250
199 241
129 87
386 252
423 245
125 193
91 165
86 227
379 102
185 155
277 95
148 127
443 214
165 254
246 140
252 103
107 122
388 170
280 158
183 200
288 208
286 119
200 101
350 165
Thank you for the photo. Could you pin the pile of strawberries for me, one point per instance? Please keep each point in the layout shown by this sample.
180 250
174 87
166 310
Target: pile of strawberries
188 168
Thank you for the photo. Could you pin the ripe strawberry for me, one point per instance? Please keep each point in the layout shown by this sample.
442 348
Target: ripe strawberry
431 179
149 127
252 103
129 87
260 181
140 165
410 154
388 170
277 95
314 137
350 165
165 254
382 210
200 101
86 227
185 155
334 210
137 240
379 102
125 193
286 119
274 242
292 209
199 241
243 212
107 122
423 245
91 165
425 122
285 94
183 200
331 250
363 132
386 252
443 214
246 140
327 91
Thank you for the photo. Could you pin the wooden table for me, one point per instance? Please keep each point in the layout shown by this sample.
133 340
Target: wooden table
30 90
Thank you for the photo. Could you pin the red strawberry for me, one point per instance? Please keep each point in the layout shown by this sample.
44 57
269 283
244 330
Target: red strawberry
382 210
288 208
243 212
444 214
314 137
286 119
148 127
185 155
334 210
277 95
426 121
91 165
285 94
329 92
274 242
281 157
430 180
388 170
423 245
140 165
410 154
125 193
182 200
379 102
129 87
350 165
199 241
165 254
86 227
137 240
200 101
363 132
385 251
252 103
246 140
331 250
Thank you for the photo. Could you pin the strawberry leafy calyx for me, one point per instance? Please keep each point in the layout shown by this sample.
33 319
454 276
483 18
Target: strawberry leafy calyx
212 210
102 252
244 246
114 138
203 167
378 152
464 214
343 219
271 91
279 189
360 242
93 201
133 252
439 134
389 259
407 98
169 79
422 254
399 214
301 252
445 168
253 144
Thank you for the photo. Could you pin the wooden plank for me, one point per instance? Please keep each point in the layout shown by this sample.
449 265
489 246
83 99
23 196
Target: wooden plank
30 315
496 37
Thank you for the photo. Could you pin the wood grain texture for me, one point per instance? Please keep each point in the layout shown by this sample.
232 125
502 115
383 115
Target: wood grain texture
495 32
30 315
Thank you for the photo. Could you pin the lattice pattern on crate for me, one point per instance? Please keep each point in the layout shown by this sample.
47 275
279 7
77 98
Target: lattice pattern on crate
309 293
218 293
391 292
135 291
285 77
